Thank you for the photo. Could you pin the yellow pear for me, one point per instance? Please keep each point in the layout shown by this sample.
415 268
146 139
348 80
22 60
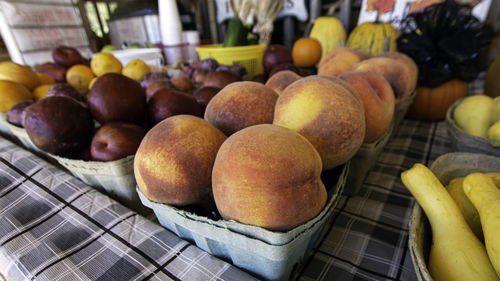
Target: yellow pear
473 115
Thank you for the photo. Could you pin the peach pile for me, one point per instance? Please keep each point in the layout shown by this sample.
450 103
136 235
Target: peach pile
264 145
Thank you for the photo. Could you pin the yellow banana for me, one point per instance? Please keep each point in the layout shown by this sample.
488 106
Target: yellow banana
485 196
456 253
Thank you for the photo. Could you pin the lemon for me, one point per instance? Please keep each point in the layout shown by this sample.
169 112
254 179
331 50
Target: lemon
21 74
45 79
136 69
79 76
105 63
40 91
12 93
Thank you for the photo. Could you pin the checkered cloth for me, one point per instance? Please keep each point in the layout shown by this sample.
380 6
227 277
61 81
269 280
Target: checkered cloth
367 237
54 227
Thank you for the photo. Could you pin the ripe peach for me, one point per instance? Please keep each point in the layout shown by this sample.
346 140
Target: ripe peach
281 80
407 62
327 114
378 100
268 176
393 71
173 164
340 60
241 104
360 54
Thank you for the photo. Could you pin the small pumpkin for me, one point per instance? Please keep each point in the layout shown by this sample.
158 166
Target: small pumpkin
373 37
491 81
431 104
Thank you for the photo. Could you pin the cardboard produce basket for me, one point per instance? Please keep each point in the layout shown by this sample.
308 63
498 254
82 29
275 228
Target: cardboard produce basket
400 112
115 178
266 254
4 125
446 167
462 141
22 137
363 162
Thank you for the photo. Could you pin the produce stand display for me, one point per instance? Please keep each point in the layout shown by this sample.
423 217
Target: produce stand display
366 236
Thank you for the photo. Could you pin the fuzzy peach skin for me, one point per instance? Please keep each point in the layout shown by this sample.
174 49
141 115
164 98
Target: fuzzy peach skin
279 81
360 54
393 71
327 114
241 104
378 100
408 63
268 176
173 164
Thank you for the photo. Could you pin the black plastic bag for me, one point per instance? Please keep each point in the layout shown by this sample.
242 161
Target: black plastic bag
446 41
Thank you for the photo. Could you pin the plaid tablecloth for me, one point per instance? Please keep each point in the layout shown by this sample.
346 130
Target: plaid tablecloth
53 227
367 238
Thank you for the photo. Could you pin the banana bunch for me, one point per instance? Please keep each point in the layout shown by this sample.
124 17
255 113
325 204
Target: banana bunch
456 252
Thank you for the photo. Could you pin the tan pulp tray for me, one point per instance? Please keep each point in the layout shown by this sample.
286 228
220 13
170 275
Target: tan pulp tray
446 167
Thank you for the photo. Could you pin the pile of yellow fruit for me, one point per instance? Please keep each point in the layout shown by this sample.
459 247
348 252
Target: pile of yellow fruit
20 83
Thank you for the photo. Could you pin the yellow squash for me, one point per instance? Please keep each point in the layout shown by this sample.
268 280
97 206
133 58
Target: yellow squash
373 37
330 33
485 196
456 253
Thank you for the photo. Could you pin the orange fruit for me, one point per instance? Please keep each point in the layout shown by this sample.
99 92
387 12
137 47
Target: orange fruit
306 52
